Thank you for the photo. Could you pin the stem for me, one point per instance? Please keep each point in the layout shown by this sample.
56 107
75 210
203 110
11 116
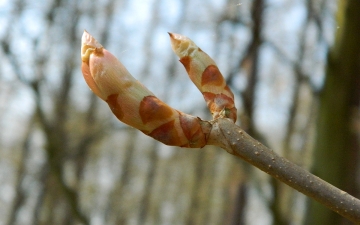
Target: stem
234 140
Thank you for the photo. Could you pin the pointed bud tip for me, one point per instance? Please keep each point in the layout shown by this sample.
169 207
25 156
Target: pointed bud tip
89 40
175 40
88 45
177 36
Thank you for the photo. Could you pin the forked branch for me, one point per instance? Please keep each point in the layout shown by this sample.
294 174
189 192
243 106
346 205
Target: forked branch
133 104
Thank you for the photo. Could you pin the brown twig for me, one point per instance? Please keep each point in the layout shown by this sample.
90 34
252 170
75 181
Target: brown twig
234 140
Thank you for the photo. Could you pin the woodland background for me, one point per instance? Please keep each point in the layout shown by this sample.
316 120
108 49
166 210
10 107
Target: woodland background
293 65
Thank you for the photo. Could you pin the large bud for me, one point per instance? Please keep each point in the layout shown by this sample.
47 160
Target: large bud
133 104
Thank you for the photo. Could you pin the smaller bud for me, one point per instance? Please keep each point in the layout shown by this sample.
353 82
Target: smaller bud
205 74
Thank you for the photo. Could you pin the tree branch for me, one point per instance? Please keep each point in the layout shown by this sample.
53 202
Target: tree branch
135 105
234 140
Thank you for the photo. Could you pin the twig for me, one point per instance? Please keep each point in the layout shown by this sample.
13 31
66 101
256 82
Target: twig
234 140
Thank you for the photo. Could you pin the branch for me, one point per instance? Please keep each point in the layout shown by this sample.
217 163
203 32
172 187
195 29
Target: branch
135 105
235 141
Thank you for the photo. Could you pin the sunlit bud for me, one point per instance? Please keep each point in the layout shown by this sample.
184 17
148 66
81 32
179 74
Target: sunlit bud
133 103
205 74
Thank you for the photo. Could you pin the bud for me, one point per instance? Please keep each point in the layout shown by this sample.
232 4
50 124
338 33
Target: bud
133 104
205 74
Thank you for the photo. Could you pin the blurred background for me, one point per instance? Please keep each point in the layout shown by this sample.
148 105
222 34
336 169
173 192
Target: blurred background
293 65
